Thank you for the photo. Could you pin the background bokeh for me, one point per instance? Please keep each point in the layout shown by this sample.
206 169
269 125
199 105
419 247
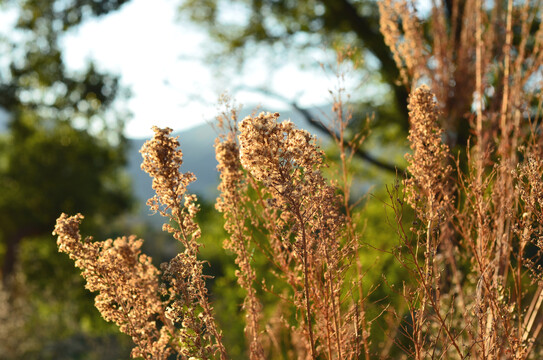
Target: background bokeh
81 83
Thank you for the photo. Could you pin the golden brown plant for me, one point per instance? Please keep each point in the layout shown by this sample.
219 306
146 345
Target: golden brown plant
481 60
482 311
287 162
429 194
285 200
188 300
428 188
472 256
126 283
233 203
163 315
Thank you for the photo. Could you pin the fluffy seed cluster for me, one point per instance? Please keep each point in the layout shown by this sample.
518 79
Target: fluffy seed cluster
288 162
126 282
162 160
187 300
427 188
271 150
229 167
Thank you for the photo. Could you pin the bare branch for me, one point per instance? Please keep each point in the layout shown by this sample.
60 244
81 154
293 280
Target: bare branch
364 155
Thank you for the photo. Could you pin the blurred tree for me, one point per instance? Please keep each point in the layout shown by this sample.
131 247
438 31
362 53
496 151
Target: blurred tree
64 148
244 28
268 28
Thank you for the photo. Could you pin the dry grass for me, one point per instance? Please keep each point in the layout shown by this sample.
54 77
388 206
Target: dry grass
473 254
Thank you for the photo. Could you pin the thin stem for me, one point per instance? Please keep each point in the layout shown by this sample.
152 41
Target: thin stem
306 285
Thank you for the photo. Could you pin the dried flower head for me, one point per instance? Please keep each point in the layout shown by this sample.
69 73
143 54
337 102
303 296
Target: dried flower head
229 167
428 192
187 298
287 162
126 282
162 160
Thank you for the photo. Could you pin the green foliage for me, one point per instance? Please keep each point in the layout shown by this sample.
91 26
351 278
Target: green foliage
61 168
64 145
63 151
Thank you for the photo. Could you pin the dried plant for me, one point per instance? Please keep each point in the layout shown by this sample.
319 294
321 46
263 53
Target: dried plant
475 273
471 54
126 282
287 162
233 203
299 214
166 314
188 304
472 256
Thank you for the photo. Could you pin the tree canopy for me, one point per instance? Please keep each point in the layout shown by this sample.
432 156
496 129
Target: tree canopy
64 146
62 149
240 26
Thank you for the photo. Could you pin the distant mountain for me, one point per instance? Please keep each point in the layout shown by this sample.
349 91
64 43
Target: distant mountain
198 157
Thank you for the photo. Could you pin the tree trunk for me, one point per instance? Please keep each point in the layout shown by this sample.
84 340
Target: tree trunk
12 242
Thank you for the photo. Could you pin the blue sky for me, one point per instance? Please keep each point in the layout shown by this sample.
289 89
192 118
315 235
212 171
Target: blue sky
159 57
